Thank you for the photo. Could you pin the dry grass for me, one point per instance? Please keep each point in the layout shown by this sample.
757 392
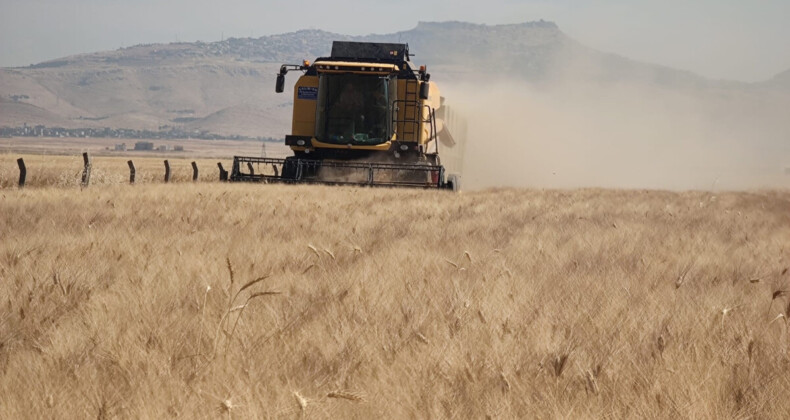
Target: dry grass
118 301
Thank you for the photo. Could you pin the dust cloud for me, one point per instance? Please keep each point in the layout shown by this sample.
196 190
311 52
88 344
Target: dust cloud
570 134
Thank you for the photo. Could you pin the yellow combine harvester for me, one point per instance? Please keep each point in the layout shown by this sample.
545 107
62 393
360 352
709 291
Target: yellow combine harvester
364 116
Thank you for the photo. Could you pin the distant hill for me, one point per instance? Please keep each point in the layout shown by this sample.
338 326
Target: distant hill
227 87
780 81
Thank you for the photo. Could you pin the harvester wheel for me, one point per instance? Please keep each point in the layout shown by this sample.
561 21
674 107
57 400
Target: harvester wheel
454 182
289 168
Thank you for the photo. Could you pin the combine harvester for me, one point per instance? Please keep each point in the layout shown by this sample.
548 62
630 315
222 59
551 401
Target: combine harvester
365 116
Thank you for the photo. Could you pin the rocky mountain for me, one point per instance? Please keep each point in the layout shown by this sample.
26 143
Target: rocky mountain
227 87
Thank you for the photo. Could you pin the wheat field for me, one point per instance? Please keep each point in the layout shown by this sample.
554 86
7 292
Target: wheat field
213 300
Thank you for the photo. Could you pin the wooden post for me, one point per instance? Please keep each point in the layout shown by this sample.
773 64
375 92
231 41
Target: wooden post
131 171
249 166
167 171
194 171
223 174
22 172
86 171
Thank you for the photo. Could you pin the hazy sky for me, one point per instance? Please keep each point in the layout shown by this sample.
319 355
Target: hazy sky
745 40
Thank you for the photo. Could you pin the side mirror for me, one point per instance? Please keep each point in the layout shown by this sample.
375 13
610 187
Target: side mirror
280 83
424 87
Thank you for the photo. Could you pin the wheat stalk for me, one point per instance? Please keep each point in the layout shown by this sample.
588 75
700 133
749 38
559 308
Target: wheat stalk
776 295
300 400
241 312
559 364
248 285
314 249
232 278
56 280
505 382
239 308
592 383
451 263
202 315
345 395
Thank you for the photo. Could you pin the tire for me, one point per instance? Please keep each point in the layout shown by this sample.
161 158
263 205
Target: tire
289 168
454 182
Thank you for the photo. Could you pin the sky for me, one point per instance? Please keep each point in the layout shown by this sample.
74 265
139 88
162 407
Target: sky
745 40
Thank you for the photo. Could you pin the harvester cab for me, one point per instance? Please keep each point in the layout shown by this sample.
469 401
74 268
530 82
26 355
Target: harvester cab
364 115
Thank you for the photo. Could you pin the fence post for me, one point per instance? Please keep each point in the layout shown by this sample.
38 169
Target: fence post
22 172
223 174
194 171
131 171
249 166
167 171
86 171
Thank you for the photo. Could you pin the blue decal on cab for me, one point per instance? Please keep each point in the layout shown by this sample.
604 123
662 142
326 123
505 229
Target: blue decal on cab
304 92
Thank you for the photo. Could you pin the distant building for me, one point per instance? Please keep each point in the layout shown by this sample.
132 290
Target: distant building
120 147
163 148
178 148
143 145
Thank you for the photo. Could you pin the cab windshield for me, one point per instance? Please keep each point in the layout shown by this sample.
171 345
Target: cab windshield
353 109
